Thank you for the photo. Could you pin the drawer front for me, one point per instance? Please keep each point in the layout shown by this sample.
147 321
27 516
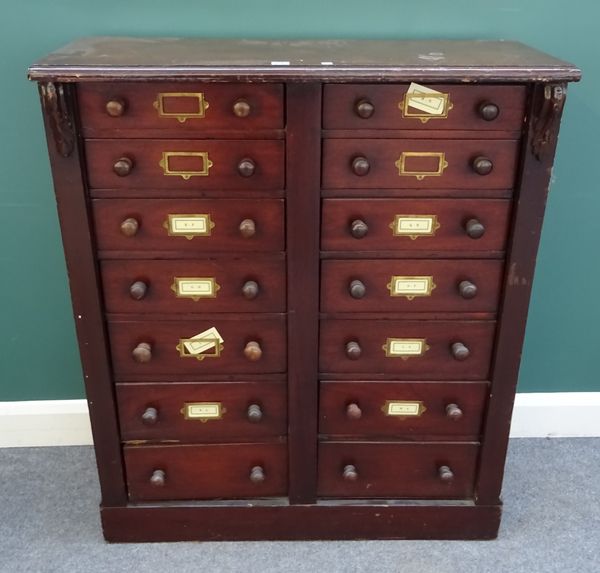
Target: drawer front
208 412
408 349
235 284
415 225
193 226
232 345
481 107
405 285
396 470
403 410
419 163
205 471
185 164
187 108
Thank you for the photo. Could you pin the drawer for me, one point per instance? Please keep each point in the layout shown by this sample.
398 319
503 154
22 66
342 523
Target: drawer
478 107
230 345
157 226
419 163
436 225
405 285
397 470
189 108
205 471
185 164
234 284
408 349
404 410
207 412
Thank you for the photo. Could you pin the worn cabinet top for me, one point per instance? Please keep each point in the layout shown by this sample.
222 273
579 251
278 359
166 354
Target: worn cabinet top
110 58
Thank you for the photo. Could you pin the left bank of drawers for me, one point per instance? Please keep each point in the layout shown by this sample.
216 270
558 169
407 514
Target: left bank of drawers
187 186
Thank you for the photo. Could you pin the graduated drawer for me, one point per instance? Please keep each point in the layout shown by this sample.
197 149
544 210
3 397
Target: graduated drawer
405 285
228 345
480 107
438 225
225 284
186 108
205 471
202 412
396 470
407 349
185 164
406 410
189 225
419 163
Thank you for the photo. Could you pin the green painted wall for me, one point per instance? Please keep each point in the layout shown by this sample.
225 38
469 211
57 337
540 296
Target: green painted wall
563 337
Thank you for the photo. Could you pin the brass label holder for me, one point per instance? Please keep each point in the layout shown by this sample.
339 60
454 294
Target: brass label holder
195 287
429 103
405 348
400 163
181 117
414 226
207 344
411 286
203 411
203 171
189 225
402 409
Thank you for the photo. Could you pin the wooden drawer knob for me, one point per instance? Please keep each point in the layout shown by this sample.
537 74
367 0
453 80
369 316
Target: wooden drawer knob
357 289
138 290
445 473
360 166
454 412
482 165
467 289
129 227
247 228
353 411
241 108
350 473
353 350
123 166
150 416
253 351
488 111
257 474
364 108
254 413
459 351
250 290
246 167
142 352
158 478
358 229
474 228
115 107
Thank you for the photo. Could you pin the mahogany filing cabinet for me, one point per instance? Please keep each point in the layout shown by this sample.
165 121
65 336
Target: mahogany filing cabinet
300 275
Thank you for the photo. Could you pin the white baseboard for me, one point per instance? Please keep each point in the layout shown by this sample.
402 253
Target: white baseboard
66 422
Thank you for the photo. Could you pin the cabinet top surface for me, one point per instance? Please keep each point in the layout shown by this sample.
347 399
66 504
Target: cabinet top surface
115 58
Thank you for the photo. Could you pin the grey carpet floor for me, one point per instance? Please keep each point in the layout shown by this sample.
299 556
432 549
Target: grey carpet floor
49 523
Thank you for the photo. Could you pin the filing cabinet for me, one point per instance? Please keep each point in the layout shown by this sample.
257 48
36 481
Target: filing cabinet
300 274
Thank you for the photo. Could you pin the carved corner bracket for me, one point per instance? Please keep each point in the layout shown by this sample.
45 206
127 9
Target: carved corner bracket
56 108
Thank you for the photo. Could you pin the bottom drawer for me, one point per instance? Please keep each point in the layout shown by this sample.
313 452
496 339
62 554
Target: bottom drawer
397 470
206 471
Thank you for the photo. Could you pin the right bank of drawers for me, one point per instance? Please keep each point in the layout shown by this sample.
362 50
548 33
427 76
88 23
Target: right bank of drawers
415 216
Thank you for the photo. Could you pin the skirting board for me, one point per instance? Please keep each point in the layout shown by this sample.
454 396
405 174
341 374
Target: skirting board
66 422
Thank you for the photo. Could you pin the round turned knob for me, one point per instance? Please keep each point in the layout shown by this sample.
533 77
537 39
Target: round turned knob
250 290
253 351
150 416
357 289
137 290
353 411
241 108
488 111
115 107
158 478
459 351
129 227
257 474
474 228
445 473
467 289
246 167
364 108
254 413
142 352
454 412
123 166
247 228
353 350
350 473
482 165
360 166
358 229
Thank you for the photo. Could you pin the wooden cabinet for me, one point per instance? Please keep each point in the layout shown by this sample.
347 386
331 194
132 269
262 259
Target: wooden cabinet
300 275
